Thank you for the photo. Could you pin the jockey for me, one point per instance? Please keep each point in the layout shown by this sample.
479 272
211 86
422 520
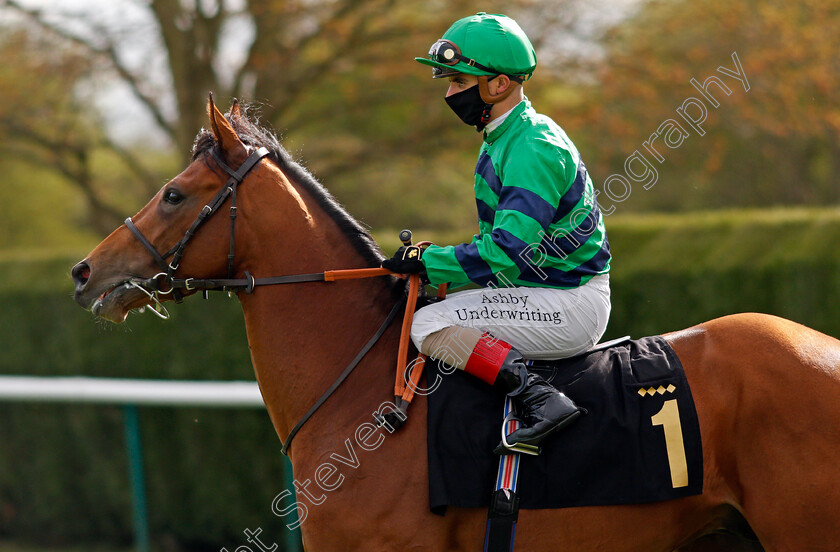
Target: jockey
541 255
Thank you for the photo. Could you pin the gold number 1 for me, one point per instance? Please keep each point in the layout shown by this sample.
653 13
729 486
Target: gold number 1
669 418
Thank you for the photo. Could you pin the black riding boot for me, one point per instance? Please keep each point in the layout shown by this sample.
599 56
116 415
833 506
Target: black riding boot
543 408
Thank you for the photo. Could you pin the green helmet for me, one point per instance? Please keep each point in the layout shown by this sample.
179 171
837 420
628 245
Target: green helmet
482 44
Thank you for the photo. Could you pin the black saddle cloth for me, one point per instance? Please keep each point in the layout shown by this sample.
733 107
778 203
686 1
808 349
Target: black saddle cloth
615 454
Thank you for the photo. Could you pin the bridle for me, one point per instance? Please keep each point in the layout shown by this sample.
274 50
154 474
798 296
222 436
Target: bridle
167 276
154 286
165 283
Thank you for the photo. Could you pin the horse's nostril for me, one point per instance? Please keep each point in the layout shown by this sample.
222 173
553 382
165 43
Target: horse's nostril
81 274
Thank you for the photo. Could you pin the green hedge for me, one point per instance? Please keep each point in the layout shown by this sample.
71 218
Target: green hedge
674 271
210 473
213 473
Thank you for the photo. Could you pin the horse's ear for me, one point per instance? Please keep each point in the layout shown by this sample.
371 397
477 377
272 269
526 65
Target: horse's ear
233 150
235 113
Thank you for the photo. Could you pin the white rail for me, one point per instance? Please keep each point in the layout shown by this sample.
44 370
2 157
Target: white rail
130 393
230 394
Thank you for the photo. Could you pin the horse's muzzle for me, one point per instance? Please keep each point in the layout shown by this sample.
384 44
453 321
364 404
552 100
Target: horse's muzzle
81 276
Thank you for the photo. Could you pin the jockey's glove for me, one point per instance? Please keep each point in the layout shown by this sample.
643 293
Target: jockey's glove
406 260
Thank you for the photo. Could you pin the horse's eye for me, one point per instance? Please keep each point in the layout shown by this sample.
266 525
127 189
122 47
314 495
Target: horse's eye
173 197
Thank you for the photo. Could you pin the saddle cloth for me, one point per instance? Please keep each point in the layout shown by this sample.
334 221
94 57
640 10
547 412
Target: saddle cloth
639 441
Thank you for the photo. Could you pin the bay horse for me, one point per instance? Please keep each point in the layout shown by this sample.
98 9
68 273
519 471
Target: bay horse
767 390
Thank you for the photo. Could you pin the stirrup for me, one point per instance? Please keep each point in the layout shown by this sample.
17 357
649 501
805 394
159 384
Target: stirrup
523 448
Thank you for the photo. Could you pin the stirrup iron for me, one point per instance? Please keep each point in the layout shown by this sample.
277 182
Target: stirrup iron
523 448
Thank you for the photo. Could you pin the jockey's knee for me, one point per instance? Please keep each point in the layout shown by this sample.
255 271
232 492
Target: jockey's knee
452 345
426 321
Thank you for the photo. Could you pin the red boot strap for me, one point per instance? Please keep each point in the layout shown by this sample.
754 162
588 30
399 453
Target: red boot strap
487 358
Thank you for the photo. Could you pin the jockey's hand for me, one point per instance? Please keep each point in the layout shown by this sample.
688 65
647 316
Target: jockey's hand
406 261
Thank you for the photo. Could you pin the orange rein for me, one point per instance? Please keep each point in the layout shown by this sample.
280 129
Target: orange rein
355 273
401 390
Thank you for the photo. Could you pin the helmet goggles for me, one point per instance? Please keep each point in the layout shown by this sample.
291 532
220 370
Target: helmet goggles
447 53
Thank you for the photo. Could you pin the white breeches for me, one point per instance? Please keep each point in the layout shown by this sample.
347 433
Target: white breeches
541 323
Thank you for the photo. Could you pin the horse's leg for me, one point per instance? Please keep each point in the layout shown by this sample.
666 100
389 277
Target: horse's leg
722 542
730 533
770 394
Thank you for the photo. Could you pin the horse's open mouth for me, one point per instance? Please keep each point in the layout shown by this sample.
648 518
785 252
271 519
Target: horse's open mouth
117 301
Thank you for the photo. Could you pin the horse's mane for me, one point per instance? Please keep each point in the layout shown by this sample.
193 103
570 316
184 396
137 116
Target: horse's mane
253 135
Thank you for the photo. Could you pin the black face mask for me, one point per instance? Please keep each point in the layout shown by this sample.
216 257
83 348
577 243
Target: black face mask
469 106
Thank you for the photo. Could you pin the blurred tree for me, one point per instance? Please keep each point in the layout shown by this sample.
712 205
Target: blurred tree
777 143
336 75
45 125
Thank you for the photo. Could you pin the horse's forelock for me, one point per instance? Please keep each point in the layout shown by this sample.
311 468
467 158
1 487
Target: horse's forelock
204 141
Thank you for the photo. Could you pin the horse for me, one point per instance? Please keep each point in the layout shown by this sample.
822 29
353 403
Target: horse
766 390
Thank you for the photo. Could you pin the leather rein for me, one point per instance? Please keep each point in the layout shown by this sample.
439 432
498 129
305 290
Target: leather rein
154 286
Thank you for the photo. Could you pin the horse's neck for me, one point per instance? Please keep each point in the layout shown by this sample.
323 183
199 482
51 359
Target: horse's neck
302 336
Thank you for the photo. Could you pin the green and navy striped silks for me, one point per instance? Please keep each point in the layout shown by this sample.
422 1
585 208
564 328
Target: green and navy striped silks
538 217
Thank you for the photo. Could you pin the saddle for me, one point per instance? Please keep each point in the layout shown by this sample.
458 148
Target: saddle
639 442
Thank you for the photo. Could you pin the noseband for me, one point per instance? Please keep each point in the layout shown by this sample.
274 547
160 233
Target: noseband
167 276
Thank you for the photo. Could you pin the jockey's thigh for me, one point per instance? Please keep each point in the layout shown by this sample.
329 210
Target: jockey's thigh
541 323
